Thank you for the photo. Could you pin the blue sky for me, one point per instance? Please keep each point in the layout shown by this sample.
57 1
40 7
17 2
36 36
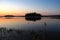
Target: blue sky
45 7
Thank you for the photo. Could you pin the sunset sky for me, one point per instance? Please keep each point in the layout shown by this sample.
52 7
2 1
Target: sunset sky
21 7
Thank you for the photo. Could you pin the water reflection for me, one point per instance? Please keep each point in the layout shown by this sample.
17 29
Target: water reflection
45 24
47 28
8 17
33 19
55 17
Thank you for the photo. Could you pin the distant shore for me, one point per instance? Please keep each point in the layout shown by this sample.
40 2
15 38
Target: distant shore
41 16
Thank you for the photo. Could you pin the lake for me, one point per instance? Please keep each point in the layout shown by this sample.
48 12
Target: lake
50 27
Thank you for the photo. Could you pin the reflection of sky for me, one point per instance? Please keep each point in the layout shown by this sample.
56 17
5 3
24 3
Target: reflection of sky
21 23
11 22
22 6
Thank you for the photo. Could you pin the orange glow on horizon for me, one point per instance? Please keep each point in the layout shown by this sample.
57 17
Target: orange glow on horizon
21 13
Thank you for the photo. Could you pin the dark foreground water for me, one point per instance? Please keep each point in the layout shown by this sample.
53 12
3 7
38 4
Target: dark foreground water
19 28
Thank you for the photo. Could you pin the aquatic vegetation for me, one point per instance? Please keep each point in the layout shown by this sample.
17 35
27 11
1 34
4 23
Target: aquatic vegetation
11 34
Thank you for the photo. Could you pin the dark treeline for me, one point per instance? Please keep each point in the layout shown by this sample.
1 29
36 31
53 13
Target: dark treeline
32 15
51 16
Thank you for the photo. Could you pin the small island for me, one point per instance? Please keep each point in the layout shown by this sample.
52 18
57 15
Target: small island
33 15
9 16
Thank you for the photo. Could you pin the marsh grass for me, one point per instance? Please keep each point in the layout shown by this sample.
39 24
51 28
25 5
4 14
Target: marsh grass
13 34
10 34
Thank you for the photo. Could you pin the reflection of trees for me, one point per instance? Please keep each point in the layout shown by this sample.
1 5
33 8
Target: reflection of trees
9 17
45 31
32 16
32 19
45 24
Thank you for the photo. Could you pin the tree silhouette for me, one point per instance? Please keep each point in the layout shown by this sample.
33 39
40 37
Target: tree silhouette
8 16
33 15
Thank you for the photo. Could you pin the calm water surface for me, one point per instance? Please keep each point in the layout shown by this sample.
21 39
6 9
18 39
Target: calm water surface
49 28
22 24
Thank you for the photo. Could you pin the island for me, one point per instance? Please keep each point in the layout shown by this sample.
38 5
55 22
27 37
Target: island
33 16
9 16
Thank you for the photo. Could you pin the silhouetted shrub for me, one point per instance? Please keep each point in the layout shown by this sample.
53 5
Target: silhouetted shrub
8 16
33 15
